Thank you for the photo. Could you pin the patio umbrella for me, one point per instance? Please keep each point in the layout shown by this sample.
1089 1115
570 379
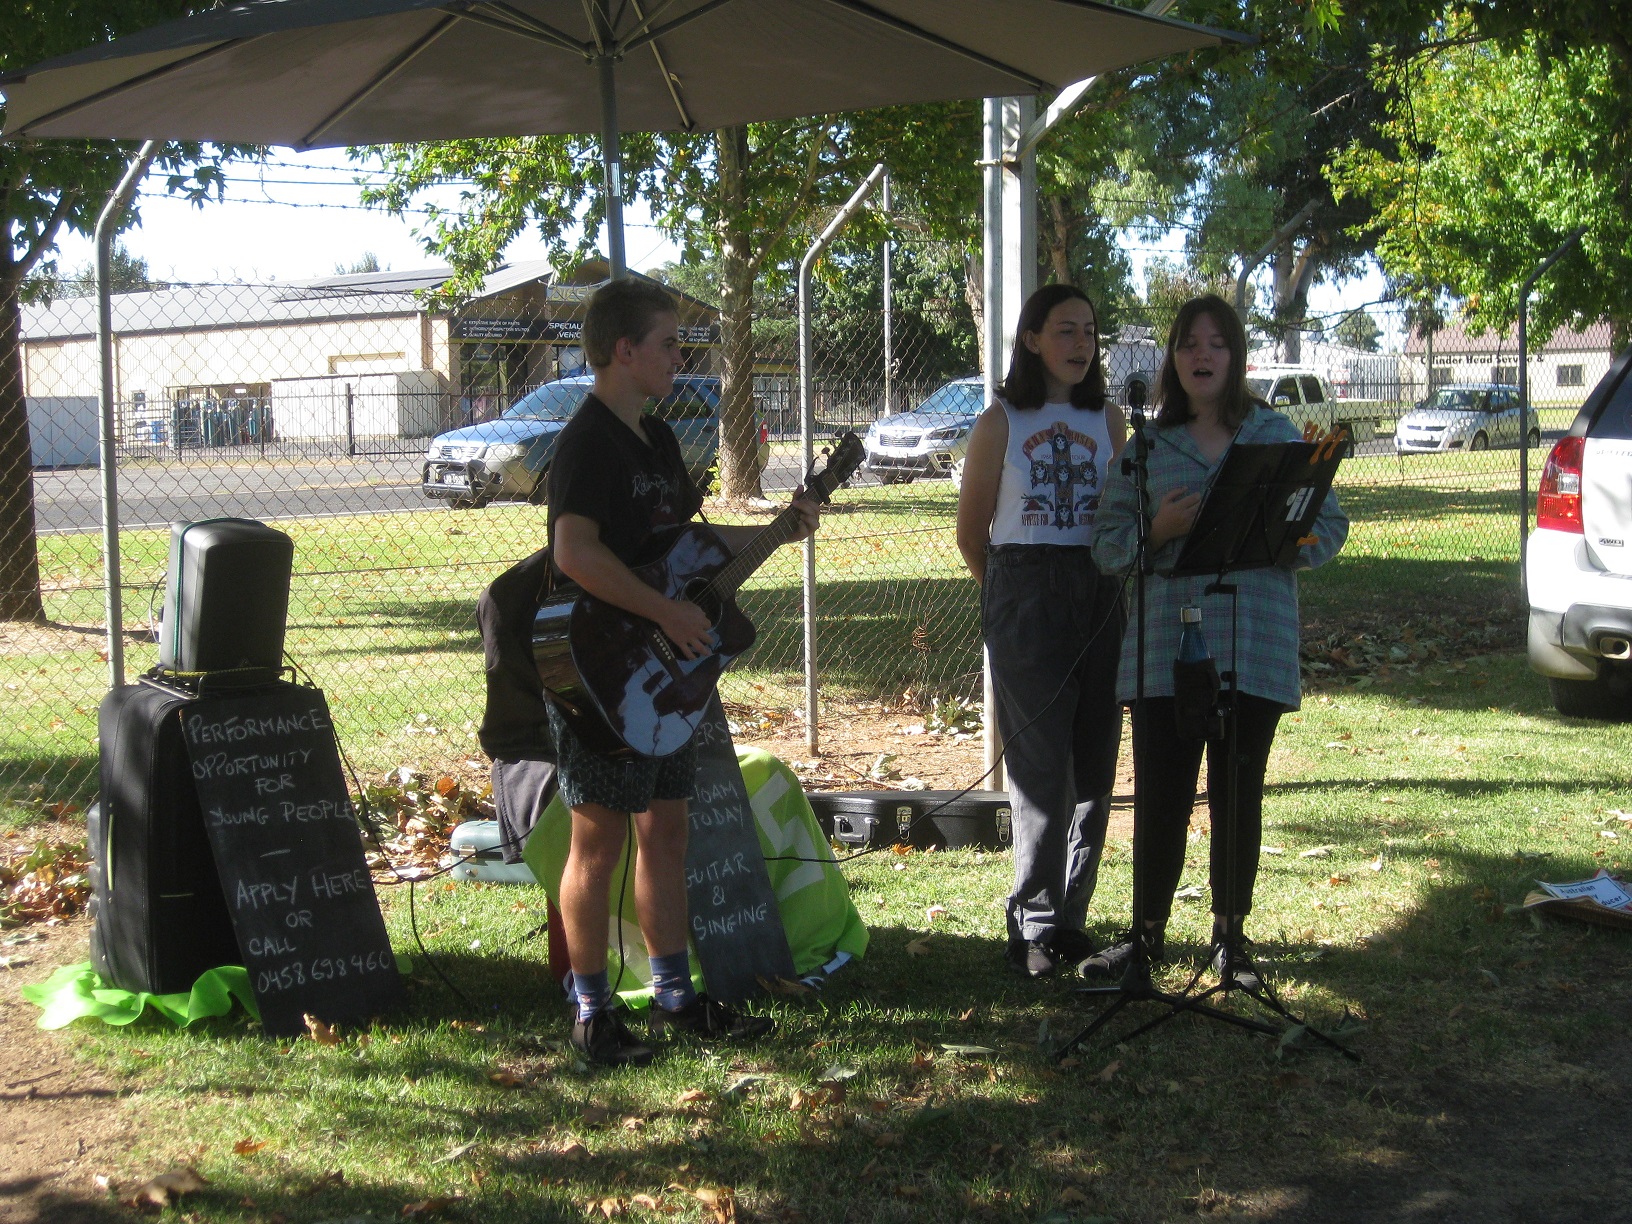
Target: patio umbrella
311 73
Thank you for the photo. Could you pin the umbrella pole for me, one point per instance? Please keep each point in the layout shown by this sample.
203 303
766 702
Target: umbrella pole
612 166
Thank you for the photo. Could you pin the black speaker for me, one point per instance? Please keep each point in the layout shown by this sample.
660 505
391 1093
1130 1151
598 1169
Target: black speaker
227 598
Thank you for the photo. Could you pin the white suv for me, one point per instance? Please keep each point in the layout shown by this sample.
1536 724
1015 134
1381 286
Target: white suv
1578 566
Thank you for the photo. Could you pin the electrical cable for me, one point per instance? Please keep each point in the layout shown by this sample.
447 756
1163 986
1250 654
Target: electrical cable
1024 727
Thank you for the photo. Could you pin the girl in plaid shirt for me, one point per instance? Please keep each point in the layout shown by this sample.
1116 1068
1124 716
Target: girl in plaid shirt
1203 407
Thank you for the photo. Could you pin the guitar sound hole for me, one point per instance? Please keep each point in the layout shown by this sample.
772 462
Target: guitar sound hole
698 592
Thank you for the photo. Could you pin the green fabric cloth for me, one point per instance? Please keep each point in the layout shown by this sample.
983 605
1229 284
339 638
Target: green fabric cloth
75 992
814 898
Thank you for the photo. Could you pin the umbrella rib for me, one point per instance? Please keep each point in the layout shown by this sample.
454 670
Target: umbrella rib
640 40
134 82
946 44
669 79
406 57
529 26
643 20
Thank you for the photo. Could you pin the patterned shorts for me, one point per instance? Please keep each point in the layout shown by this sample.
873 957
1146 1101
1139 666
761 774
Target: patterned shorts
624 784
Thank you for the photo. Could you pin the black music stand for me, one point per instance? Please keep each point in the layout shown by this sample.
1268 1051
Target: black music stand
1258 508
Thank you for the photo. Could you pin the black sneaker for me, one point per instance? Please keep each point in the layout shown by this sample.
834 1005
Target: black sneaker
1071 947
711 1021
1113 961
605 1041
1032 957
1233 964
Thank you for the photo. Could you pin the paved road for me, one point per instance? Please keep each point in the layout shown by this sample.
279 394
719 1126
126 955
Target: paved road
154 496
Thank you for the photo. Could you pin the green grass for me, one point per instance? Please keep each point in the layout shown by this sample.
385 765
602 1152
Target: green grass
382 610
1437 799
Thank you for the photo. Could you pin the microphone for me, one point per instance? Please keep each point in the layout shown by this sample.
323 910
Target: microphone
1136 402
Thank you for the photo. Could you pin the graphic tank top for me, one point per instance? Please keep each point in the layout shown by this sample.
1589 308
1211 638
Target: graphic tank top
1053 472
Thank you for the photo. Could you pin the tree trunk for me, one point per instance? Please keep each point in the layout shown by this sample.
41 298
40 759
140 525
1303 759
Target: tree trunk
974 292
19 550
1060 224
739 429
1294 270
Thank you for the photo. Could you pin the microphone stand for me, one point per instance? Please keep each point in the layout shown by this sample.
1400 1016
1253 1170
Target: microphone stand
1136 985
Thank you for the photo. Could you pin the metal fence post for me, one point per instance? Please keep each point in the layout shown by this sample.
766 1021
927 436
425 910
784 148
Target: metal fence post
807 431
351 425
1524 394
112 582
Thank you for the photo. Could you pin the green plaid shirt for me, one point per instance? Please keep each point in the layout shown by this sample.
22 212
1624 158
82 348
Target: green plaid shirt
1266 604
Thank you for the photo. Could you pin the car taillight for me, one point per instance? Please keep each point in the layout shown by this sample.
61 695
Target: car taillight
1558 498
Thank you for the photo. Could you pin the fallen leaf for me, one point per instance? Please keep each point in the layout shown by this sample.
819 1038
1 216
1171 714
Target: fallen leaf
1290 1080
644 1200
464 1149
159 1192
1108 1072
739 1086
721 1202
691 1096
321 1033
610 1207
248 1147
888 1139
966 1015
594 1115
1071 1197
934 912
919 946
633 1123
1316 852
506 1079
572 1150
968 1051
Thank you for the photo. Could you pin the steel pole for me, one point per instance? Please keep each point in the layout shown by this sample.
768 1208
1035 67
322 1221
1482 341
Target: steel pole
1524 395
112 581
807 431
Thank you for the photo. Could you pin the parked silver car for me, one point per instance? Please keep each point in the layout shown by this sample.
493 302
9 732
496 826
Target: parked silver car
1467 416
929 440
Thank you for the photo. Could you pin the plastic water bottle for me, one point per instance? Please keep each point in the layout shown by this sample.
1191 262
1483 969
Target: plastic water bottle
1192 642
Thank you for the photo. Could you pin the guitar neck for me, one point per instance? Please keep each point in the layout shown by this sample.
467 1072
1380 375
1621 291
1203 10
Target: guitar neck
740 568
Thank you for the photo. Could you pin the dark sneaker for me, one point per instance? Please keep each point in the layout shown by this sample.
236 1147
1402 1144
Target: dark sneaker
605 1041
711 1021
1233 964
1113 961
1032 957
1071 947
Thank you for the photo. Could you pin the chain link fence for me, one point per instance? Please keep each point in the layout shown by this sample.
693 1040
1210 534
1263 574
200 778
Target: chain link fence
396 442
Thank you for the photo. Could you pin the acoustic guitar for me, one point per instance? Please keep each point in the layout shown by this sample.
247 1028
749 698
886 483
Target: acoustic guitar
617 678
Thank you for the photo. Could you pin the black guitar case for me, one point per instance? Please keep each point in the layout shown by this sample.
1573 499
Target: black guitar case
160 918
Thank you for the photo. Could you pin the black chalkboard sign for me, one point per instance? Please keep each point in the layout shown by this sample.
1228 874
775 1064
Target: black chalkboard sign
736 926
285 838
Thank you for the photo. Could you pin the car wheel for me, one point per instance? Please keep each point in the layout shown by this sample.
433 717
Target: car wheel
1609 697
1533 438
469 503
1480 442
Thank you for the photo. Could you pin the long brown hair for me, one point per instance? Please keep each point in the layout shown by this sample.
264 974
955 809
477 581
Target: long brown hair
1025 386
1172 404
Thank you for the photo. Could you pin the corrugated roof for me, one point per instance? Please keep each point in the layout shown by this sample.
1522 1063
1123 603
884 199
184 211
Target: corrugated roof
206 307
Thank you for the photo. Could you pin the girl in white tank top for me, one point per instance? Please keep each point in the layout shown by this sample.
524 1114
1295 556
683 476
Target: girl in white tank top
1037 461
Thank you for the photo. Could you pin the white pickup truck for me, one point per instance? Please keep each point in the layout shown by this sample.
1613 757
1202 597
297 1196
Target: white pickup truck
1305 396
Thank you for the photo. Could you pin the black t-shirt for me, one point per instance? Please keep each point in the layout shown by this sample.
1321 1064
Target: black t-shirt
604 471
